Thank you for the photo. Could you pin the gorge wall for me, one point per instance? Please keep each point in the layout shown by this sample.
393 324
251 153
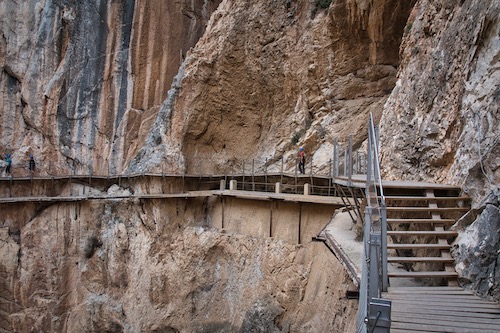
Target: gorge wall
82 81
442 120
159 266
269 76
189 86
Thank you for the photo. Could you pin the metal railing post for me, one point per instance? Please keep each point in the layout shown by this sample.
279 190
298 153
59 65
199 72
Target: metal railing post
383 219
243 177
335 158
282 166
374 277
369 162
345 161
253 175
265 175
311 166
349 170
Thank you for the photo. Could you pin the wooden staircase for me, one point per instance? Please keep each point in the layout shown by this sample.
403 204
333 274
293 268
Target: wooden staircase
418 234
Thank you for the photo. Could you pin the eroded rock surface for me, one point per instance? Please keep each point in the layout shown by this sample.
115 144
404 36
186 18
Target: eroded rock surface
267 76
442 121
477 251
130 266
82 81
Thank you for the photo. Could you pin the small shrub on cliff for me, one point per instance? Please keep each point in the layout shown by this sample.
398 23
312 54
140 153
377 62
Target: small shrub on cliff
296 138
92 244
323 3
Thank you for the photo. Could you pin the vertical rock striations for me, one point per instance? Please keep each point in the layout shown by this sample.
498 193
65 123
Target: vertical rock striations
267 75
81 81
442 121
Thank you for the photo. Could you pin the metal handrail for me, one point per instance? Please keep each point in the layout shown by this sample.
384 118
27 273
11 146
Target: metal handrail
376 158
374 275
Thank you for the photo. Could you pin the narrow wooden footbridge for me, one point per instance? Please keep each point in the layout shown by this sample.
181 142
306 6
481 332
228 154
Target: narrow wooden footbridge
416 276
408 281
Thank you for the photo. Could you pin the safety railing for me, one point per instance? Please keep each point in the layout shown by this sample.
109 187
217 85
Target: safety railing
373 311
344 162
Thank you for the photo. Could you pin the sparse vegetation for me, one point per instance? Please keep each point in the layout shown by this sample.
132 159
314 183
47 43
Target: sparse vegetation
323 3
408 27
296 138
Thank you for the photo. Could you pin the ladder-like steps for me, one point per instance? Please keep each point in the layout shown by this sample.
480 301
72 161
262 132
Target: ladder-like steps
420 259
428 274
419 246
427 209
443 221
417 198
445 233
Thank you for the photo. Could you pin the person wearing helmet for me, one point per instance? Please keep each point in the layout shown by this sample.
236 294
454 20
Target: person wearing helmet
8 160
31 165
302 161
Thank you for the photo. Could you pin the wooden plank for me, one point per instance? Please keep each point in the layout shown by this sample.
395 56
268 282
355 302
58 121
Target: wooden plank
482 323
439 298
416 198
429 293
397 330
443 221
418 246
451 307
426 289
429 274
442 313
445 253
446 233
427 209
411 327
419 259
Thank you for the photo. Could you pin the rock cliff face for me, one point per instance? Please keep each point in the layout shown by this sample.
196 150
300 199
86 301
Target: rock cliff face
157 266
442 121
477 250
81 81
90 86
267 76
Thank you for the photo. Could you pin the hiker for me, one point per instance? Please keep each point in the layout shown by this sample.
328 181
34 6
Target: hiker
31 165
8 160
302 161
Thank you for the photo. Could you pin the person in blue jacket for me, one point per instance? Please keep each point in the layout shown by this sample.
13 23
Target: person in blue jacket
8 160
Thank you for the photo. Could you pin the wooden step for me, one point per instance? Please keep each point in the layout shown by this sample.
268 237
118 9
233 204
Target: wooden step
419 246
446 233
420 259
439 221
413 198
424 198
429 274
427 209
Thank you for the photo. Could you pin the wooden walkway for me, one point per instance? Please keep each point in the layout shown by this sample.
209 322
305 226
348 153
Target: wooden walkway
441 309
248 195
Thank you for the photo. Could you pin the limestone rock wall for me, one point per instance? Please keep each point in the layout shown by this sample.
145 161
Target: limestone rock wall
442 120
81 80
268 76
477 250
158 266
